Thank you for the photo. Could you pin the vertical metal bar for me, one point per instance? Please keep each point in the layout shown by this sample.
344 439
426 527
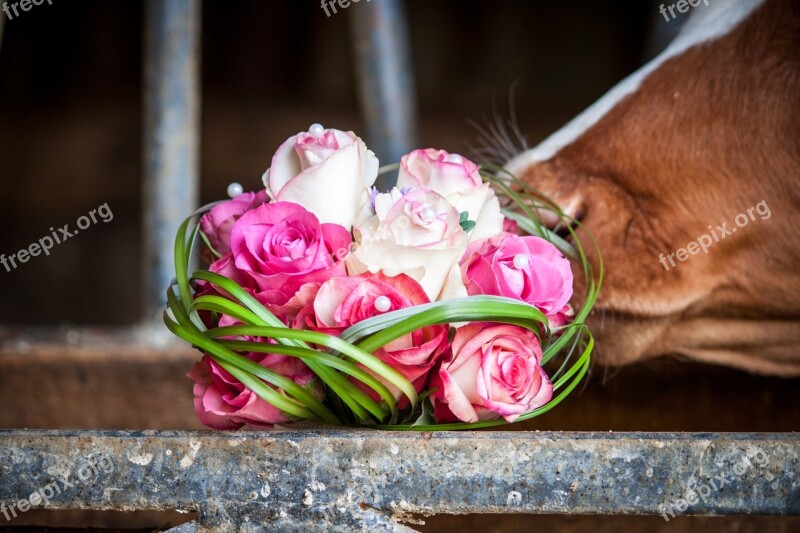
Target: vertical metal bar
380 37
171 144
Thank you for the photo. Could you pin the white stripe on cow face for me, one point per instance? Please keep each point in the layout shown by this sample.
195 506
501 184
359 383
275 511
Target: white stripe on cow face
705 24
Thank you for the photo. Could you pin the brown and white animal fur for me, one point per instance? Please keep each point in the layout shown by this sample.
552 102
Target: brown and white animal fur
702 133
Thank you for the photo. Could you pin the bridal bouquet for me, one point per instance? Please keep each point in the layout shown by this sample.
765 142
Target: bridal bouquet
439 304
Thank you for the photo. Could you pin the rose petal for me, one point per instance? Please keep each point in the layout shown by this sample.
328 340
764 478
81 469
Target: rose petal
457 401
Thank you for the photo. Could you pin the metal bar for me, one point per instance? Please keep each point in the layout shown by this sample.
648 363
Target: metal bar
386 84
171 144
295 481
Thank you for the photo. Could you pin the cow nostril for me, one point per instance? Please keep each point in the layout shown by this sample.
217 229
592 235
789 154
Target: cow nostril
574 212
564 230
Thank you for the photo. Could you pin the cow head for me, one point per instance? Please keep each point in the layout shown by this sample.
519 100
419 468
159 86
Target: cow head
707 132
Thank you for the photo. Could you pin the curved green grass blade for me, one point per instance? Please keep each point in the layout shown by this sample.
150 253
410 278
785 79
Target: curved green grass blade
359 355
259 315
473 308
312 355
305 406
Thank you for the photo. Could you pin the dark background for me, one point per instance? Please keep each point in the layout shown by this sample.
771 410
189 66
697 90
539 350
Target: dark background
71 140
71 111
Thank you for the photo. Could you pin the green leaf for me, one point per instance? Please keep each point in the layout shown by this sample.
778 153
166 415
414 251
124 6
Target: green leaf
464 221
426 417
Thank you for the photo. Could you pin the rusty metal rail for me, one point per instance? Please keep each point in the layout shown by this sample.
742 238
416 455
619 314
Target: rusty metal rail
334 480
370 480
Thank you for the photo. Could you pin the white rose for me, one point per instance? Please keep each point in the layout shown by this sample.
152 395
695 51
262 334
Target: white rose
325 171
459 181
417 234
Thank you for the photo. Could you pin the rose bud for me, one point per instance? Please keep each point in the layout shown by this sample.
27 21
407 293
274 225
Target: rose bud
510 226
561 318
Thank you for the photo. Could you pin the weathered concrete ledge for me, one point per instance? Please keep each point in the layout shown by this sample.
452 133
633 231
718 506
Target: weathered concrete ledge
291 480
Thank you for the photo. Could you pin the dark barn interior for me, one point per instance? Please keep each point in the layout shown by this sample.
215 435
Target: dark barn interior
77 352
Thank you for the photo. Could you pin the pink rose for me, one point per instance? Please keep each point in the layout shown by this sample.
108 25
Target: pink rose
459 181
222 402
510 226
343 302
561 318
225 266
281 246
288 311
283 305
326 171
217 223
416 233
494 370
438 170
524 268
